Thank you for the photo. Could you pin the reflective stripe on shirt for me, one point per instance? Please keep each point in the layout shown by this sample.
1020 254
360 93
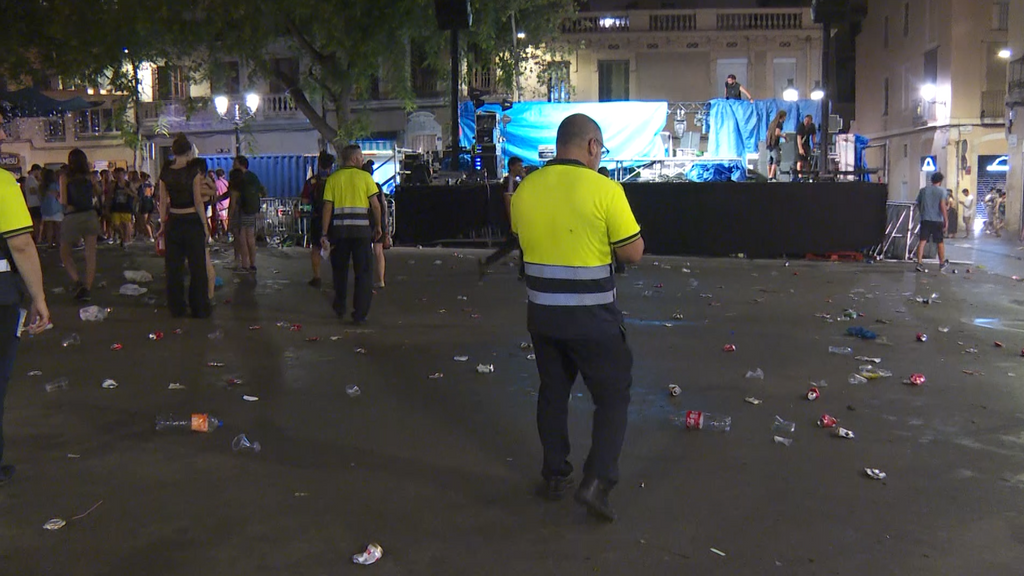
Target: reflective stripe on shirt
568 272
550 285
593 299
351 210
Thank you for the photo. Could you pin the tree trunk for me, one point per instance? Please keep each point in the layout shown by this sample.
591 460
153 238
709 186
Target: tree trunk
310 112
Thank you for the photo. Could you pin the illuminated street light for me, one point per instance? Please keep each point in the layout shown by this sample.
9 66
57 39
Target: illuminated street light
817 93
221 103
928 92
223 106
790 94
1005 53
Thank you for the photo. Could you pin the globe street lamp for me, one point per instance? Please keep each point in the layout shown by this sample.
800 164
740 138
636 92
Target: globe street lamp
790 93
239 115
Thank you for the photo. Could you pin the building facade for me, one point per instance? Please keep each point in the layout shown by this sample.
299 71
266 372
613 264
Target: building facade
1015 111
931 85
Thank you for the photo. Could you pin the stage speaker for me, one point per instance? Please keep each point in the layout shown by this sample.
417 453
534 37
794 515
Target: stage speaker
488 163
453 14
485 124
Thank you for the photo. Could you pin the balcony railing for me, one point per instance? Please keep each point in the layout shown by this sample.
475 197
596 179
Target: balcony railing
993 104
686 21
278 105
1015 78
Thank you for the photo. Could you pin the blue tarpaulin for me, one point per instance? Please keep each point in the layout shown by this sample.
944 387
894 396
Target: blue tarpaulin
630 129
282 175
859 159
735 127
735 170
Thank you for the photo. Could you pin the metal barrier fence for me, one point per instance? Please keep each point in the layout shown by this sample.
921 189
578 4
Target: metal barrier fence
284 222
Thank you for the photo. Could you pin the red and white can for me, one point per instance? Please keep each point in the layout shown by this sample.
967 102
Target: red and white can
813 393
729 348
156 335
116 347
922 337
694 420
826 421
917 379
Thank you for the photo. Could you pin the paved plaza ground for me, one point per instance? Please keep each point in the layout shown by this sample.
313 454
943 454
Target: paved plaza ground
441 472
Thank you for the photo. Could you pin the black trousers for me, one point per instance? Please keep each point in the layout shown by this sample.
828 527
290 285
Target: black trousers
9 317
360 252
606 365
186 240
510 245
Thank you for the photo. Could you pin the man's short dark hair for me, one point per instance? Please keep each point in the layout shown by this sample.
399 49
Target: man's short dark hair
242 161
325 160
220 172
730 77
808 117
937 178
515 161
119 170
35 167
348 153
576 129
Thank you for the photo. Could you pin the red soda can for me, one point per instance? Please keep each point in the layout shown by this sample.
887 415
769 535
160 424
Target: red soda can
232 381
296 328
813 393
917 379
313 339
922 337
729 348
694 420
998 344
116 347
156 335
826 421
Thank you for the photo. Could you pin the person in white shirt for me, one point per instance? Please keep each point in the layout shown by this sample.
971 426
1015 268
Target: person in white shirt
967 211
34 200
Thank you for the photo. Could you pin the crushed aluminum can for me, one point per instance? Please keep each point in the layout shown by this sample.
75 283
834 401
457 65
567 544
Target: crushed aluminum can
485 368
674 390
752 400
869 359
916 379
922 337
116 347
295 328
462 298
156 335
813 394
55 524
474 316
255 327
336 338
525 346
844 433
372 553
436 376
875 473
729 348
313 339
826 421
997 344
360 350
35 373
531 356
175 386
215 364
461 358
109 384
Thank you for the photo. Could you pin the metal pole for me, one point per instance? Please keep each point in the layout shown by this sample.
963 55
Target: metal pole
238 139
456 71
824 167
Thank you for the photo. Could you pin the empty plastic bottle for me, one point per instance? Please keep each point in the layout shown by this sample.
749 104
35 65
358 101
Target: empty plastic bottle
352 390
71 340
706 421
58 384
783 428
195 422
93 314
857 379
841 350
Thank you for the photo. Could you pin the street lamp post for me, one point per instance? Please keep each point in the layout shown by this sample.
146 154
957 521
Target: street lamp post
237 116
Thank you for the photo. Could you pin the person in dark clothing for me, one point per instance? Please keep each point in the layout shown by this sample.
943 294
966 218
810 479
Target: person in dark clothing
773 144
313 195
733 89
516 173
184 224
805 133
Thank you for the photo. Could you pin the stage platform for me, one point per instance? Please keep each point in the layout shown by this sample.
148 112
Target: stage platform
678 218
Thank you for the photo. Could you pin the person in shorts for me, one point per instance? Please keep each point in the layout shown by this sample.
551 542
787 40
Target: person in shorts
78 192
931 203
313 195
122 207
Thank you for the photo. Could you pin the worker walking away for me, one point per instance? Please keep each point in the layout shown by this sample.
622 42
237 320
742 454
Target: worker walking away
351 223
569 219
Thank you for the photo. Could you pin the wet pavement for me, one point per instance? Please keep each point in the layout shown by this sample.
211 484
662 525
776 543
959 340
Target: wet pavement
441 471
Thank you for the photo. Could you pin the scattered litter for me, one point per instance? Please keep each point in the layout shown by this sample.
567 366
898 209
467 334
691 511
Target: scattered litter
442 311
35 373
86 513
115 347
922 337
707 295
462 298
717 551
525 346
251 398
943 329
973 372
840 350
74 455
255 327
872 373
232 381
752 400
758 374
826 421
844 433
295 328
436 376
813 394
915 379
109 384
138 276
674 390
58 384
132 290
869 359
156 335
175 386
352 390
93 314
783 441
313 339
861 332
975 351
875 473
58 290
301 494
55 524
461 358
438 263
531 356
241 443
360 350
729 348
997 344
781 426
677 316
215 364
485 368
372 553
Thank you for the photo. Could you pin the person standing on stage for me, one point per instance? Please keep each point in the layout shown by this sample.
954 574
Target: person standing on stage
931 203
313 195
515 175
773 144
351 222
20 273
569 220
805 133
733 89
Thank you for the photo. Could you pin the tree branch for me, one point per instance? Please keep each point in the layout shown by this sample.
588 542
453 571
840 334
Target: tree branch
310 112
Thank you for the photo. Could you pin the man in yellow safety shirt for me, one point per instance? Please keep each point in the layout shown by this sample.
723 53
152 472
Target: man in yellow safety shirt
351 223
569 219
20 274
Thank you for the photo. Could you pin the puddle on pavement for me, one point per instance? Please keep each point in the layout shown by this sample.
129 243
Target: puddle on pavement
998 324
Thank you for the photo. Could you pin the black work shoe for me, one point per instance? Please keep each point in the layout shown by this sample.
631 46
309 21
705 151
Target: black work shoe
82 294
6 473
316 283
555 488
594 495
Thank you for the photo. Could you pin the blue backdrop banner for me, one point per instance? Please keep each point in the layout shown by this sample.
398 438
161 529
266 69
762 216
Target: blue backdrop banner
735 127
630 129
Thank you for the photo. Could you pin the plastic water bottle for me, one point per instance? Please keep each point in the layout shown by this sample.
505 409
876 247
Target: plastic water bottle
841 350
195 423
706 421
93 313
58 384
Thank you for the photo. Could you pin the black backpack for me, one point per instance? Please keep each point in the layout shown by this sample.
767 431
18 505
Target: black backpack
80 194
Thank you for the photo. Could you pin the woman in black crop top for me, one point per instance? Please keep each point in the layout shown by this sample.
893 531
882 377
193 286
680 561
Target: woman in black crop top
183 222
